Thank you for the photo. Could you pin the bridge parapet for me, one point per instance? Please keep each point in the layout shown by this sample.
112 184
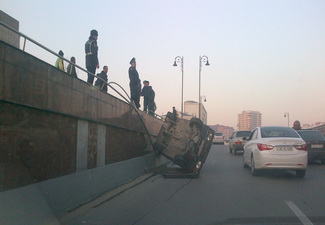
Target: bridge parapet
53 124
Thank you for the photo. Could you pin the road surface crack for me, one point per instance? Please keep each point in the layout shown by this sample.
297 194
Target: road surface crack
170 197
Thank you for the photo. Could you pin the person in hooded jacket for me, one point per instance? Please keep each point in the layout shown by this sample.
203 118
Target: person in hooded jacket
91 50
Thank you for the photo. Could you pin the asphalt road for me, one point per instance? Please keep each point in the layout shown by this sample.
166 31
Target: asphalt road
224 193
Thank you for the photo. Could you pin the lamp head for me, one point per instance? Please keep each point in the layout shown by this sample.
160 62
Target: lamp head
175 63
207 64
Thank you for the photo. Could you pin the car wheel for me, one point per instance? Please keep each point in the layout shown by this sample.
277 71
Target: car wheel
253 170
300 173
244 163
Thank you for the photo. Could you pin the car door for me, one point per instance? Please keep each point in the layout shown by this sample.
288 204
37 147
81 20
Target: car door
248 147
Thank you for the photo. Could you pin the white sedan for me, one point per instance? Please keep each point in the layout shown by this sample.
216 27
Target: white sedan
275 148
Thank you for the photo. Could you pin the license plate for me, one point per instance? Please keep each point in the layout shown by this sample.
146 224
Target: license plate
316 146
284 148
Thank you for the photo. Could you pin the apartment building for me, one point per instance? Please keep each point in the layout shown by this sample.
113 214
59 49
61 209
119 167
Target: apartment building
249 120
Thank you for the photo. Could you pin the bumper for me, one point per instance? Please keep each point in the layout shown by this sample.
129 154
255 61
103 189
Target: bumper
294 162
239 147
316 155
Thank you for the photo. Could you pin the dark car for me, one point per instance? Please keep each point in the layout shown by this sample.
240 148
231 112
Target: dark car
315 141
185 142
236 142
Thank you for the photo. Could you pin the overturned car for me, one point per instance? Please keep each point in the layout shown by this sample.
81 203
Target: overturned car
185 142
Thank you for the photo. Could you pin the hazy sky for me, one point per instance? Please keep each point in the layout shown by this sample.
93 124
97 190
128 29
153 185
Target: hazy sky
267 56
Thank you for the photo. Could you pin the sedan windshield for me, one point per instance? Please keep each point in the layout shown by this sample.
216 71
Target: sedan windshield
311 135
275 132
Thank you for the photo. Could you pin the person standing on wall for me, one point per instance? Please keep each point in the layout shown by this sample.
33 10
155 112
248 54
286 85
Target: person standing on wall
59 62
152 105
147 94
100 82
71 68
91 50
135 83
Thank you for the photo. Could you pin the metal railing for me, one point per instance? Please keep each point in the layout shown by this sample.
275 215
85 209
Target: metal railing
109 84
54 53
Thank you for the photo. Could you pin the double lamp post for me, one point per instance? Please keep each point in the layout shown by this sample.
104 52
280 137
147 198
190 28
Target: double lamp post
202 59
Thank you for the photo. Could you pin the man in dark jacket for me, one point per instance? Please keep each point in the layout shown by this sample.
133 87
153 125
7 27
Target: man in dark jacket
135 84
147 94
100 83
91 50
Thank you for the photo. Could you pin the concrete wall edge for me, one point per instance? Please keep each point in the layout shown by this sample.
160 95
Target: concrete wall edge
54 198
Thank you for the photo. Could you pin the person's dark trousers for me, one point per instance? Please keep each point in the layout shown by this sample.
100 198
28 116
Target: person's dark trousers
136 100
145 104
92 70
151 108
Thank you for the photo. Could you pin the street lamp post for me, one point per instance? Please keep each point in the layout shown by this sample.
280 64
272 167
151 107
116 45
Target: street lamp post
204 59
286 114
180 59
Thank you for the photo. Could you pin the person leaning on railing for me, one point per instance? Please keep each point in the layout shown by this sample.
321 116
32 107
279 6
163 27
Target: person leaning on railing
71 68
59 62
101 82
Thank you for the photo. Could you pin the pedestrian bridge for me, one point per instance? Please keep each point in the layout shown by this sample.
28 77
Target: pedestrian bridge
63 142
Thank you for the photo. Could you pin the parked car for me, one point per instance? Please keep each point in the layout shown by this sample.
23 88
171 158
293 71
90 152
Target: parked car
218 138
236 142
275 148
315 141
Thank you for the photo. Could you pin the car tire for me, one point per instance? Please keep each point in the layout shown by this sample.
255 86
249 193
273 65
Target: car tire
253 170
300 173
197 122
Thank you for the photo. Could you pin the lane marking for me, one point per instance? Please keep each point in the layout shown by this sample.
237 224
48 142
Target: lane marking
301 216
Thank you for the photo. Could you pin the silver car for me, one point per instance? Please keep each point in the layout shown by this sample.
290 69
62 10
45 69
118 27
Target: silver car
236 142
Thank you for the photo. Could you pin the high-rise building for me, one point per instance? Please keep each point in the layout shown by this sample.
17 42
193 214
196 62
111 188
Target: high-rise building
192 109
249 120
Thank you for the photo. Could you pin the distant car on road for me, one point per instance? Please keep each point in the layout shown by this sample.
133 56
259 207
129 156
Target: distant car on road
275 148
315 141
236 142
218 138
